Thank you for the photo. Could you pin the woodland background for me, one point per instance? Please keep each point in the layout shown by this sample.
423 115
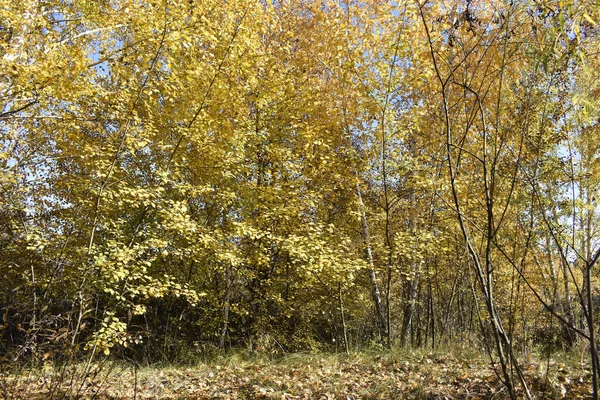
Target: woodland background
179 177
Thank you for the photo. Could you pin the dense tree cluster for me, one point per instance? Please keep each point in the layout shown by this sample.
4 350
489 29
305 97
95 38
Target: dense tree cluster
290 175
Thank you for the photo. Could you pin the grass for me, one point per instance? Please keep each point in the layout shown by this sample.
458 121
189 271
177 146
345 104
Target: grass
453 373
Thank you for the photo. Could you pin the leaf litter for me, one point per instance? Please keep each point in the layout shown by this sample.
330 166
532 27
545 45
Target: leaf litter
324 376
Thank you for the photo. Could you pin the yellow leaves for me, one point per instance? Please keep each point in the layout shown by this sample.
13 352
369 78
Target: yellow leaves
224 151
35 240
112 332
588 18
138 309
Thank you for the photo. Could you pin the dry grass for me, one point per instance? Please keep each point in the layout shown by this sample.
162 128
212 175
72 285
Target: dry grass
377 375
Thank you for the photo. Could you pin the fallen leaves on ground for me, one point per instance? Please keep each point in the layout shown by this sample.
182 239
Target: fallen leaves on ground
416 376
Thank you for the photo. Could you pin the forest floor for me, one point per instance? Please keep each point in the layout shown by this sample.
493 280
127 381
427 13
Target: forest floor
405 375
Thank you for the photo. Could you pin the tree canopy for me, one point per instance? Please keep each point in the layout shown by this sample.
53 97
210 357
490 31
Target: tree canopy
292 175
